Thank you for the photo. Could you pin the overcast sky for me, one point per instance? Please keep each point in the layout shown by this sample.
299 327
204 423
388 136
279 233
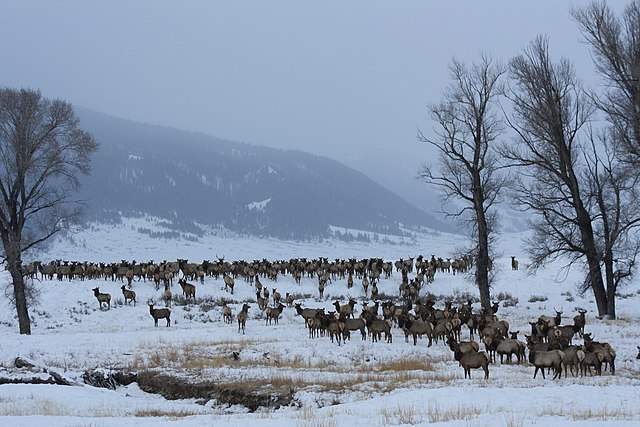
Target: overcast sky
347 79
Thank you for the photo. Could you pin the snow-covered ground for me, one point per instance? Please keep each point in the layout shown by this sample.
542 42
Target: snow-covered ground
357 384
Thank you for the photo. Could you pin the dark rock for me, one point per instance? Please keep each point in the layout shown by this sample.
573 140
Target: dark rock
23 363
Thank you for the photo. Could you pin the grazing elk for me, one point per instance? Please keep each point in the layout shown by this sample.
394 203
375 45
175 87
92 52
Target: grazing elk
102 298
160 313
128 295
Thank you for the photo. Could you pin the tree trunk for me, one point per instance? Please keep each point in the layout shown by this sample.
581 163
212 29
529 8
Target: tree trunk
14 265
611 286
595 276
482 267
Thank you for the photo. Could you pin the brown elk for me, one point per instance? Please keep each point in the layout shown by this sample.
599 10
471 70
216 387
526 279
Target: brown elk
546 359
242 318
226 314
160 313
188 290
128 295
273 313
514 263
102 298
229 283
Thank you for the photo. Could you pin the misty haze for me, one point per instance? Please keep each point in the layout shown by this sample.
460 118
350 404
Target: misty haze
318 215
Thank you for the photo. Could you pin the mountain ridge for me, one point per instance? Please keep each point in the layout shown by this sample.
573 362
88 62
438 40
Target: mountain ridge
191 177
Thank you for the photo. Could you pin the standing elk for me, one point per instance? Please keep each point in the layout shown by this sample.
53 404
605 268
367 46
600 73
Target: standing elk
128 295
102 298
167 296
188 290
229 283
514 263
160 313
242 318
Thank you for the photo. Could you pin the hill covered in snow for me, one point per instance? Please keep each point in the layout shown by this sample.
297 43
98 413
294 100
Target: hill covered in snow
191 178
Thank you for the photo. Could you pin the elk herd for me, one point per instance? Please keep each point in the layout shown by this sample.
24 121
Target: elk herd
549 344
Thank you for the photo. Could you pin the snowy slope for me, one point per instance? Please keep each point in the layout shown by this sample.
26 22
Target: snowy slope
357 384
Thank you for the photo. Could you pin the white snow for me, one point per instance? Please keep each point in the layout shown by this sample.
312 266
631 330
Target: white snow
335 386
134 157
259 206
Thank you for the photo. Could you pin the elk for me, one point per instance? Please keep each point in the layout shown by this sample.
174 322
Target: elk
463 346
590 360
160 313
417 328
307 313
321 285
376 327
607 353
167 296
345 310
336 328
580 321
102 298
354 325
289 299
188 290
226 314
374 291
638 356
546 359
229 283
514 263
276 296
242 318
273 313
262 302
128 295
470 359
573 358
510 347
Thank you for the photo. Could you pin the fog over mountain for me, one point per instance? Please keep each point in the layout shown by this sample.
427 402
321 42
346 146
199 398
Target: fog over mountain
191 178
346 80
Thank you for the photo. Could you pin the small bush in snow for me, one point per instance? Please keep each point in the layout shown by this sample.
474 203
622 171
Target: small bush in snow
537 298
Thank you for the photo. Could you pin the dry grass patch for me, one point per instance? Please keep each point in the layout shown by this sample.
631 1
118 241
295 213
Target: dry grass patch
403 364
165 413
410 414
599 414
309 418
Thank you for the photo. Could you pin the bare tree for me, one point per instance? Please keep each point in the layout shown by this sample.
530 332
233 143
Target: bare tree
550 110
466 127
613 196
615 46
42 152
